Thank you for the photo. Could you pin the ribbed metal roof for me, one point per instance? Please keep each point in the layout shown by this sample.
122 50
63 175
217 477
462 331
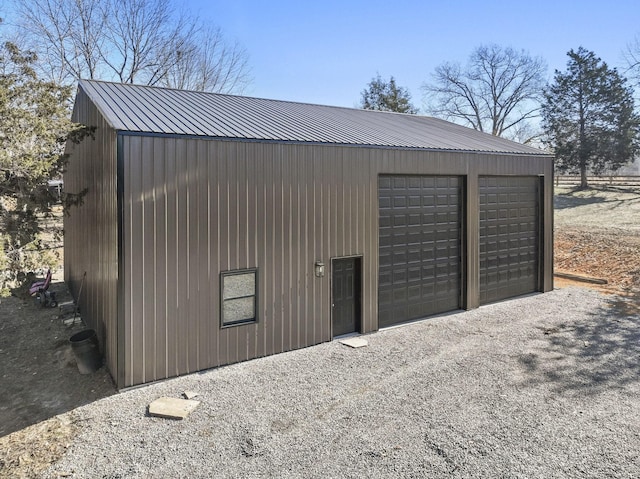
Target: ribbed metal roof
147 109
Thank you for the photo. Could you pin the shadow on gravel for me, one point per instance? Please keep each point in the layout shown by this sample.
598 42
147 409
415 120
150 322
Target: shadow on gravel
592 356
39 378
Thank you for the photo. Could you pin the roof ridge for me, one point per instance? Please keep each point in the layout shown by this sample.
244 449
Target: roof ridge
232 95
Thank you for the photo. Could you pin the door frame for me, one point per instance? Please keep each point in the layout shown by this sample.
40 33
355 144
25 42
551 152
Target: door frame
358 266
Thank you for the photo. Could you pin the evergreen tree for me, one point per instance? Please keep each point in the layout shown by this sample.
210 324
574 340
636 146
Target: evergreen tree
34 127
386 96
589 118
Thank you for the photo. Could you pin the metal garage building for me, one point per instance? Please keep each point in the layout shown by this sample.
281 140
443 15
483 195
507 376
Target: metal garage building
220 228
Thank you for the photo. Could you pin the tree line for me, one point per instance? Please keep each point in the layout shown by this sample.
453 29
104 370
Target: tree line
586 115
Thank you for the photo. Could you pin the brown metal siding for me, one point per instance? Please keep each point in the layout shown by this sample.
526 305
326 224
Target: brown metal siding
90 241
196 207
236 206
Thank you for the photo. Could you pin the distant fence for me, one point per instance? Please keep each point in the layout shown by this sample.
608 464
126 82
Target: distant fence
574 180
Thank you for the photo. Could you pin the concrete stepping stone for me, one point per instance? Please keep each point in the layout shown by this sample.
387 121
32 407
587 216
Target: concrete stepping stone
172 408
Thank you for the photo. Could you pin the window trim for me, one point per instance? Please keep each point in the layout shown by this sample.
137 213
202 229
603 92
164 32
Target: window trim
238 272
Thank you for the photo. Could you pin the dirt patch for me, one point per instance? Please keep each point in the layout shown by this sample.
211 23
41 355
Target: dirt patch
33 449
606 254
39 381
597 234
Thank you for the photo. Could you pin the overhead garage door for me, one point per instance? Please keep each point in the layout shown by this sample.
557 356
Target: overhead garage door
420 246
509 231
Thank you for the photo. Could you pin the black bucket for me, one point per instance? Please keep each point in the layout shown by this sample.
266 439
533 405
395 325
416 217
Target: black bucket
85 348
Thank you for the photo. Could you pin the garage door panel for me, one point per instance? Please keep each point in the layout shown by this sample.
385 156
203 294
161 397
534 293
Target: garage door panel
509 237
386 295
400 295
429 200
420 223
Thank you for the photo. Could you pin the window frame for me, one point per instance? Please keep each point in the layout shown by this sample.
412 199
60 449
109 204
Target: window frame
238 272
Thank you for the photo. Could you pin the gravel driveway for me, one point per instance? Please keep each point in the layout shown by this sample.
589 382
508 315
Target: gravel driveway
542 386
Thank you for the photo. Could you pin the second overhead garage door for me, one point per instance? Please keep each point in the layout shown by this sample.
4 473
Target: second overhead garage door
509 236
420 239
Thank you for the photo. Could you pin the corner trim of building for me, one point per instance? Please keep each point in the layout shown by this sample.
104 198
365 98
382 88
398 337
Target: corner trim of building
120 373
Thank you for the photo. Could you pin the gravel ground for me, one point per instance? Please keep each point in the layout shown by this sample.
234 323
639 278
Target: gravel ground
546 386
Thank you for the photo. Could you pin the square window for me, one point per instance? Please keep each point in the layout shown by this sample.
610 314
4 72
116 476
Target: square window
238 297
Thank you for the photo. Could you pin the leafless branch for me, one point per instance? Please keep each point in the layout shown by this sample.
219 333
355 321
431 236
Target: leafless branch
142 41
209 63
498 90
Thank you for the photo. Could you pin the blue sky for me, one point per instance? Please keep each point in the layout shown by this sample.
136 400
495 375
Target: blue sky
327 51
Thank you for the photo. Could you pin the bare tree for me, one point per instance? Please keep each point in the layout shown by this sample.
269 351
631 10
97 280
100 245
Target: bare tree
631 54
208 63
65 34
498 91
142 41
